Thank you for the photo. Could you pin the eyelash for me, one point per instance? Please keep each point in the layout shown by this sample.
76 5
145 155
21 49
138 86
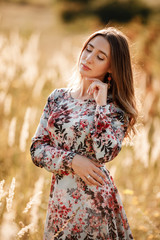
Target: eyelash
88 50
97 56
100 58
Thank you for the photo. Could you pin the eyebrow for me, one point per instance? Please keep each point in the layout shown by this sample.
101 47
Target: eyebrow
99 50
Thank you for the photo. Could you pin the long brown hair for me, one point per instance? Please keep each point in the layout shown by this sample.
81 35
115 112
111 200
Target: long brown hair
122 77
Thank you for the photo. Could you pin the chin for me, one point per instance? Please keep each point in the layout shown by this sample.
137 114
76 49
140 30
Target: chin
83 74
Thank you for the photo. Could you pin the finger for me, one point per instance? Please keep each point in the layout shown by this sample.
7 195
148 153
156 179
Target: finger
98 84
93 79
98 178
95 86
96 163
92 89
96 81
85 179
102 174
94 181
99 172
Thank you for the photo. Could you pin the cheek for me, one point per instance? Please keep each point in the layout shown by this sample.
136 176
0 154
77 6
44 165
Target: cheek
80 60
103 67
82 55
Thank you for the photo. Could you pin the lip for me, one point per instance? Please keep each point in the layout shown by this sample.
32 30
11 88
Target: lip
85 67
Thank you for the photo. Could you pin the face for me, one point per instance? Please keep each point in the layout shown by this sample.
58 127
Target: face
95 59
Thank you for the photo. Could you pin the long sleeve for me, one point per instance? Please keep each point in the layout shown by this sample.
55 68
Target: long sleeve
43 151
110 125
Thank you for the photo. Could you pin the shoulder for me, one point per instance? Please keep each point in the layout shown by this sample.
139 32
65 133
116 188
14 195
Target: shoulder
56 93
117 112
121 115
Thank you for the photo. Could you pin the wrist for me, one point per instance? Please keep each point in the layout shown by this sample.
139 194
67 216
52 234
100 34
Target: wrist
100 105
74 159
102 102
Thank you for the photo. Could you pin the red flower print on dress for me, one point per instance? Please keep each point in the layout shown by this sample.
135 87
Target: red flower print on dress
83 123
68 127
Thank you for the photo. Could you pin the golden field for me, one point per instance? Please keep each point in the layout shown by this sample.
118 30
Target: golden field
37 55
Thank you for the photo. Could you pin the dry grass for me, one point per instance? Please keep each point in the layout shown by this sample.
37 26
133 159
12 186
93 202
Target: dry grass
25 84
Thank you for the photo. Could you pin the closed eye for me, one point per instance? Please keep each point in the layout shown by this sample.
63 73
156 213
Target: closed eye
100 58
88 50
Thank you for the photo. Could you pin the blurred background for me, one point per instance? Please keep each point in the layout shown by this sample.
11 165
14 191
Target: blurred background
40 41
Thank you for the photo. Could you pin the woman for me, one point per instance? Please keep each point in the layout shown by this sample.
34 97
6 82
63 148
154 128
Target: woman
82 129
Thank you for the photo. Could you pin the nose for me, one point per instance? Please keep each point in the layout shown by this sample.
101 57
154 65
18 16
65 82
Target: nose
89 58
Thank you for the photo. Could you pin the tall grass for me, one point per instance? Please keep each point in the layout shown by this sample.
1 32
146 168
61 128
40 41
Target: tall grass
24 87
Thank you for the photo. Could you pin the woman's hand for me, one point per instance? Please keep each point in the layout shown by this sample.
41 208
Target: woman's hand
88 170
99 91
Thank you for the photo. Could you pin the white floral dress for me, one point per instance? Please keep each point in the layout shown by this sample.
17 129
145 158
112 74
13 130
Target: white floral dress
68 127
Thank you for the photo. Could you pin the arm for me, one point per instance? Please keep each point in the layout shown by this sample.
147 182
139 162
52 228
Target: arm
110 125
43 152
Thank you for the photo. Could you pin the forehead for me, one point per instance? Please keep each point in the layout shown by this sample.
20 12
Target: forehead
100 43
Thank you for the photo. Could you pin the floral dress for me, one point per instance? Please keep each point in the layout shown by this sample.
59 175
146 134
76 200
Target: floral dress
67 127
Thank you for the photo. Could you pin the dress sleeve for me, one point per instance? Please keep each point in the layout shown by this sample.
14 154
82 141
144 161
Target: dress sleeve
110 125
44 153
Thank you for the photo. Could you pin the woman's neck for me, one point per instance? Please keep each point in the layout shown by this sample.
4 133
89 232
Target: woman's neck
83 89
81 92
